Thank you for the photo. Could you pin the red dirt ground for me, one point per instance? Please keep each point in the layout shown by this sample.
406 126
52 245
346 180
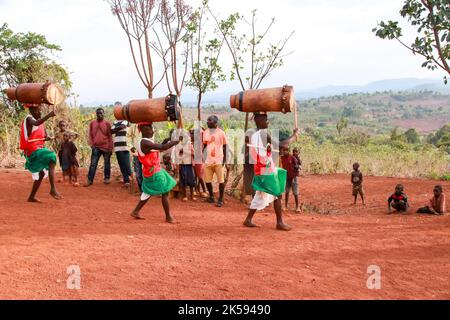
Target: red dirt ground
209 255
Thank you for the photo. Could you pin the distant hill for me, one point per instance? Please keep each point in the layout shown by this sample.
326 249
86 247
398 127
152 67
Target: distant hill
395 85
407 84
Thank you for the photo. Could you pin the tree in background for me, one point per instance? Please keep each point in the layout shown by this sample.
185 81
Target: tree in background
412 136
432 20
137 18
441 138
253 58
28 57
342 125
206 71
174 18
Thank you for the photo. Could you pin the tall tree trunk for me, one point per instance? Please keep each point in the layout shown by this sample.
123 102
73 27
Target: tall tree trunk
199 107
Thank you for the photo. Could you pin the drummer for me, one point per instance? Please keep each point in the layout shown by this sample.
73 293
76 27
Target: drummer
40 161
269 181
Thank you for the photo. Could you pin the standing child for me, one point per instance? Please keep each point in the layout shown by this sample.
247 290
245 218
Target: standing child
69 162
59 139
157 182
291 163
137 166
39 160
437 203
171 169
398 200
199 166
183 154
357 182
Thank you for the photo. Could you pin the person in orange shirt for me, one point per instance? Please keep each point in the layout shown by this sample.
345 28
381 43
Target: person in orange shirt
215 145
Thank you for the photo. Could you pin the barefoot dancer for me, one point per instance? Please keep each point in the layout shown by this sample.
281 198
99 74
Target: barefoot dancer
269 181
39 160
157 182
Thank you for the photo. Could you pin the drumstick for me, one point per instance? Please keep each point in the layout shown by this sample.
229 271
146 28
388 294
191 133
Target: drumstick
41 139
258 147
36 140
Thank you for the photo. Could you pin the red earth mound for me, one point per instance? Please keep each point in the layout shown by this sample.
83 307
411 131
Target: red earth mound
209 255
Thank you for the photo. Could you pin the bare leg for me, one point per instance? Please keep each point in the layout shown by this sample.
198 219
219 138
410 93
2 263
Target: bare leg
287 200
183 192
166 206
280 224
34 190
209 186
221 195
363 199
192 193
248 221
297 203
51 177
202 184
136 212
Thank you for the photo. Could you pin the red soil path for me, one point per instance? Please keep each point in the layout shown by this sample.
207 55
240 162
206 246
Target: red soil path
209 255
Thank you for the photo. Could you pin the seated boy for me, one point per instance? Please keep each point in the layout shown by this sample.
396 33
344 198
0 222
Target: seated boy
398 200
437 203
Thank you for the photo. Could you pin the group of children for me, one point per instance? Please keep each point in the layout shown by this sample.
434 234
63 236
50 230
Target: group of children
160 178
398 202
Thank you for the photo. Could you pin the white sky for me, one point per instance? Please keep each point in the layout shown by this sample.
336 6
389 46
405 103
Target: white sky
333 44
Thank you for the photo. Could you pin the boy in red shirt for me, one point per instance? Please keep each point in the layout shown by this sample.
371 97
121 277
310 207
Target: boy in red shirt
291 163
398 200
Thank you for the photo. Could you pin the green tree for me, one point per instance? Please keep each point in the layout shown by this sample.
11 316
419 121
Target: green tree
395 134
204 55
432 20
441 138
342 125
28 57
412 136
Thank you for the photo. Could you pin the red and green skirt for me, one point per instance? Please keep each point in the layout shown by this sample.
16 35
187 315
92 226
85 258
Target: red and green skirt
272 183
158 184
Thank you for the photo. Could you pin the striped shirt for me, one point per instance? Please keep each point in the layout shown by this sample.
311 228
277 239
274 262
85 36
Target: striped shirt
120 138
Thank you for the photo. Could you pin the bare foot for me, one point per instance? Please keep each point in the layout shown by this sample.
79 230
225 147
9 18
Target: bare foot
250 224
56 195
137 216
34 200
171 220
283 227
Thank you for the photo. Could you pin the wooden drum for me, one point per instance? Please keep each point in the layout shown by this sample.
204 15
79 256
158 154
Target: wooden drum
149 110
265 100
37 93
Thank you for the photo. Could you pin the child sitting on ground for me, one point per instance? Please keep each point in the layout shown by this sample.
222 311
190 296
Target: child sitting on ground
357 182
398 200
437 204
69 162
